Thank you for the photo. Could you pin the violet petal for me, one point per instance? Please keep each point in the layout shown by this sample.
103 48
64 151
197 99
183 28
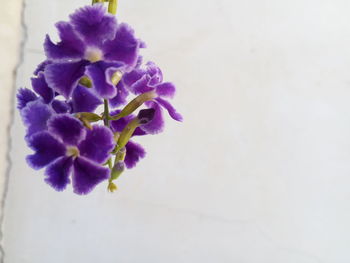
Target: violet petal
101 84
124 47
83 100
134 152
24 96
94 24
87 175
47 148
68 128
70 46
64 77
171 110
58 172
120 98
35 116
165 89
60 106
40 86
156 125
98 144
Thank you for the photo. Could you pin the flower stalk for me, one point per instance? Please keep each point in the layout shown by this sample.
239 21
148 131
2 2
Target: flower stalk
112 6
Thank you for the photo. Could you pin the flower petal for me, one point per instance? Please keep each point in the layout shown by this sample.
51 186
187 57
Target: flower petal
58 172
83 100
70 46
124 47
94 24
87 175
24 96
35 116
64 77
134 152
47 148
130 78
97 72
98 144
41 67
171 110
120 98
155 72
156 125
40 86
166 89
67 128
141 86
119 125
60 106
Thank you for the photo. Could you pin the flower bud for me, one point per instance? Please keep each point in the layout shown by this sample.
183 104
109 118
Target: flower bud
145 116
112 187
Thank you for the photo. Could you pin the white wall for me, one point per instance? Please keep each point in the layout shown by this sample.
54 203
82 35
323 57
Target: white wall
259 172
10 36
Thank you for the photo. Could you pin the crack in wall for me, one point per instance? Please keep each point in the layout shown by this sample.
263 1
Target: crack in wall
20 60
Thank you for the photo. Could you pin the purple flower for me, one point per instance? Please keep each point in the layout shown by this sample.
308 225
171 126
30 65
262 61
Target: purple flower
96 61
67 148
151 79
92 43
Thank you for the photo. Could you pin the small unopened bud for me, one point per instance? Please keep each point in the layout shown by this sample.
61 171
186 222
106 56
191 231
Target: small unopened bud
145 116
112 187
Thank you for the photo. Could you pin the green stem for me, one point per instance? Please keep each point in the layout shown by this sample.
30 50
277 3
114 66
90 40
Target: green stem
106 114
112 6
106 121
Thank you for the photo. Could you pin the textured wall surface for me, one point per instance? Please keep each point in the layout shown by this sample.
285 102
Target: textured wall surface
259 172
10 37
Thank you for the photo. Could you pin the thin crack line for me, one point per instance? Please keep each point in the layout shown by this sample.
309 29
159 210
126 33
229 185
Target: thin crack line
24 37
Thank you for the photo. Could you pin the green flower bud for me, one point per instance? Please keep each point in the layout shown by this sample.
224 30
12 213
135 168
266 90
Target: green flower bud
112 187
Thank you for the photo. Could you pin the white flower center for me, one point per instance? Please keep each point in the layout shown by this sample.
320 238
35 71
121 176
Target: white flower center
93 54
72 151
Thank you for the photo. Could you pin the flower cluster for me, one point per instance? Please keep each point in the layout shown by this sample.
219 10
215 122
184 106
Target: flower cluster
96 64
